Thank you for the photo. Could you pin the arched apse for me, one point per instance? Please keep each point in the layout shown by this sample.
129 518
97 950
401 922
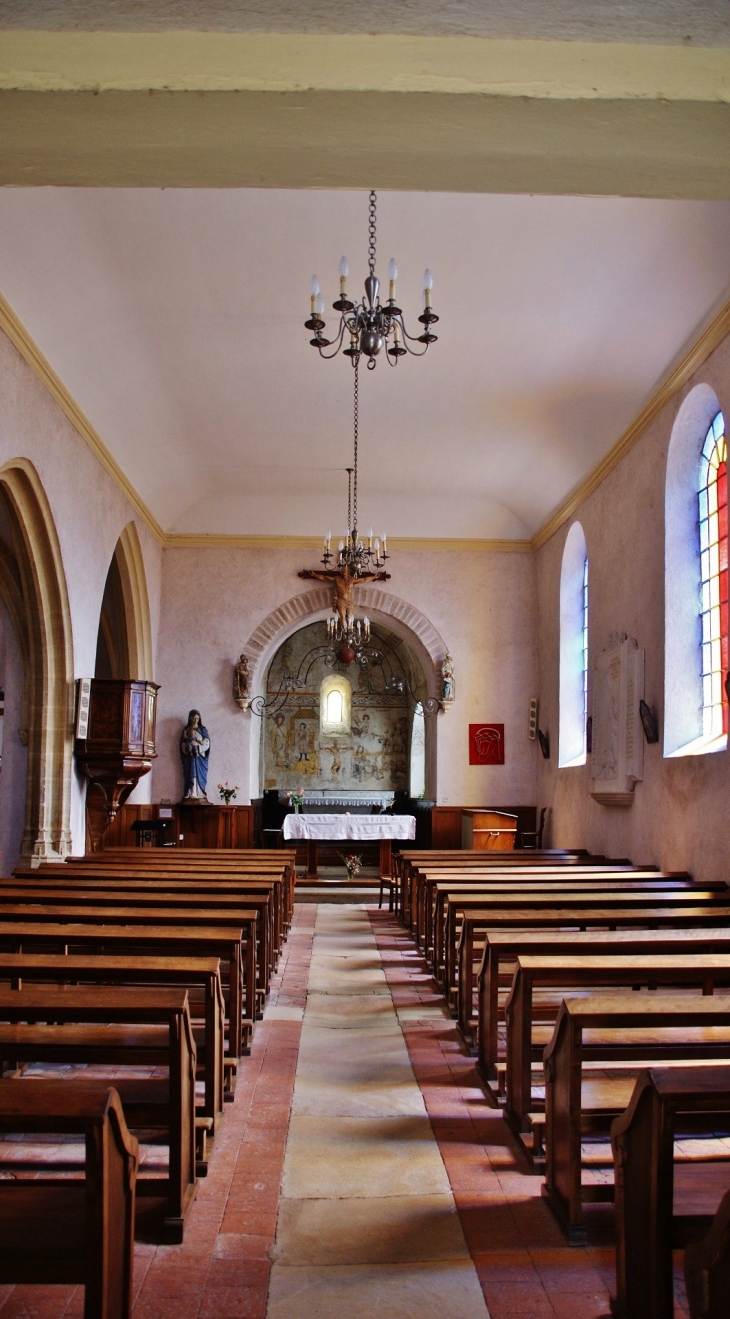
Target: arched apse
573 654
35 599
404 619
342 727
682 628
124 643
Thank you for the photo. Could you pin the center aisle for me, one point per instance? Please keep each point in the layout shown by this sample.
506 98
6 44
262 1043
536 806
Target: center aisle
367 1219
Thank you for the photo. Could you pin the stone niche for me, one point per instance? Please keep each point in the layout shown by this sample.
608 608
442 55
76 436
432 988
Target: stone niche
364 745
617 756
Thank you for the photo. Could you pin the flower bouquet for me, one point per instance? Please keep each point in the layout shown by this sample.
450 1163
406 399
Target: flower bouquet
352 864
227 793
296 800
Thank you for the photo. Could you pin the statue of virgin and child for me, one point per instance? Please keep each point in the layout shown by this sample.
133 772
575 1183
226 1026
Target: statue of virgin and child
194 753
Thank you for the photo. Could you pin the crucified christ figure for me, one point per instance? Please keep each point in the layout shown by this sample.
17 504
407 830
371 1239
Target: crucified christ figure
344 584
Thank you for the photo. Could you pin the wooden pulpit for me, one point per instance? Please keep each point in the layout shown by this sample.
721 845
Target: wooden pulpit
118 748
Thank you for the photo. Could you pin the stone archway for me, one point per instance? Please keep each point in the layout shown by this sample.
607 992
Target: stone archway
135 657
401 616
33 588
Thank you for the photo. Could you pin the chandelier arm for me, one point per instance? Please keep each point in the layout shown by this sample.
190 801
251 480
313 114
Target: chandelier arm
337 342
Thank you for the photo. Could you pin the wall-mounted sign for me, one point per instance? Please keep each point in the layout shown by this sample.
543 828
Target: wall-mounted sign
486 744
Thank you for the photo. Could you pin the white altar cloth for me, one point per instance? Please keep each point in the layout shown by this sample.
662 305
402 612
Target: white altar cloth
363 828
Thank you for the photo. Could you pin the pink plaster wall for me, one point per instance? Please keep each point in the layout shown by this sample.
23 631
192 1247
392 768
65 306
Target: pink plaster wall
482 604
680 814
89 512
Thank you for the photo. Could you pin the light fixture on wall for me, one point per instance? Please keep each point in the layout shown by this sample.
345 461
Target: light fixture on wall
370 326
355 563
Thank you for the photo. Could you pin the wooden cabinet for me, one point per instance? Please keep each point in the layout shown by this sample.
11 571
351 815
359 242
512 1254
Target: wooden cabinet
488 831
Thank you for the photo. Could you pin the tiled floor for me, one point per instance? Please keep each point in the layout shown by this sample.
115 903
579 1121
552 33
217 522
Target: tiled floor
360 1167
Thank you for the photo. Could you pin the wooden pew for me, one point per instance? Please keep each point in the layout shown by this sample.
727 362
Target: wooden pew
614 1027
707 1268
703 971
129 916
153 906
453 902
191 973
665 1102
149 940
503 946
408 861
71 1231
474 876
617 909
122 1027
269 930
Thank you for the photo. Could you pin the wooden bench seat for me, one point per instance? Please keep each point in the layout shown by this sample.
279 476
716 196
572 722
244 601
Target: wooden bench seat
502 948
72 1231
199 975
656 912
409 862
156 908
703 972
121 1027
614 1027
663 1102
158 917
707 1268
223 942
453 906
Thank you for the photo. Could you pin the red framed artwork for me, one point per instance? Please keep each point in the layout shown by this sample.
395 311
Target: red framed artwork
486 744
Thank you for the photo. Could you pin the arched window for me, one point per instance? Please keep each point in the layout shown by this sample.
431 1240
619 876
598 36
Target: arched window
573 650
696 580
418 753
713 577
335 706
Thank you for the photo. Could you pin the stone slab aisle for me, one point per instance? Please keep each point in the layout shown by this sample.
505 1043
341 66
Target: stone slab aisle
367 1219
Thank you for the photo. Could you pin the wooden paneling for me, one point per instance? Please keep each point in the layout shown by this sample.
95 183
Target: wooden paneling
201 826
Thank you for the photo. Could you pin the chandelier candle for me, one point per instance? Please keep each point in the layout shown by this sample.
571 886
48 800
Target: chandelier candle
371 325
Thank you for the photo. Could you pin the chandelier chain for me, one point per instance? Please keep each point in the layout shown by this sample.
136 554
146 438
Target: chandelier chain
356 424
371 231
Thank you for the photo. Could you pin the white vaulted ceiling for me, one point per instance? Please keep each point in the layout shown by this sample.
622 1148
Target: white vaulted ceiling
174 318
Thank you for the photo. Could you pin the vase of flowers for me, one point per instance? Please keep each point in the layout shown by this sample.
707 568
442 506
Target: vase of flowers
228 794
352 864
296 801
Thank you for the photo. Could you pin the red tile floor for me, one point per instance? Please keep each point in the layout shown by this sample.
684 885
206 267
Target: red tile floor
221 1271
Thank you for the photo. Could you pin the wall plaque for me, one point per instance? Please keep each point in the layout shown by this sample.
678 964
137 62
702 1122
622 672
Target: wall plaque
617 755
486 744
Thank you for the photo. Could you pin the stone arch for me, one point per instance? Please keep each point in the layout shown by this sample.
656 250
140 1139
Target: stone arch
130 562
404 619
277 625
33 587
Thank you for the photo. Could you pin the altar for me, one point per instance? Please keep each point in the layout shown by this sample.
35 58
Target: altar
330 828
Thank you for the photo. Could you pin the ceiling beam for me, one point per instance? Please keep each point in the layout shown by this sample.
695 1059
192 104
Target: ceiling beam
205 109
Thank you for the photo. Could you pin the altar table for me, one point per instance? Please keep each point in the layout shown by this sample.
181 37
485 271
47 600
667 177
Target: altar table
349 828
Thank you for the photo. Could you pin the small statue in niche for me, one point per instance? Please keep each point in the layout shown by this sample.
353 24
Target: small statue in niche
447 679
194 753
241 680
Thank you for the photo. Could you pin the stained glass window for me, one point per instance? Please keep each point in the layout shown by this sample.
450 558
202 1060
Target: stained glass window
585 651
713 573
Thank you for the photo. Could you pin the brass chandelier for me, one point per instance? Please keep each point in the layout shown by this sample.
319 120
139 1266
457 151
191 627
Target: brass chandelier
370 326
